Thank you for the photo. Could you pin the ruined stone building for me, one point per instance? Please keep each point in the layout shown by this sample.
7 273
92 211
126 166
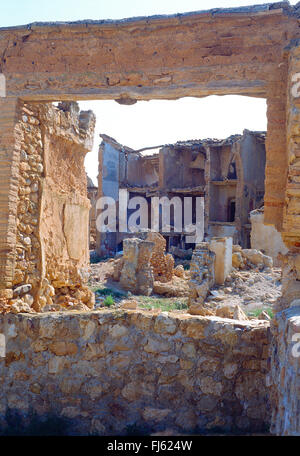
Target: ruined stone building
106 370
266 238
228 173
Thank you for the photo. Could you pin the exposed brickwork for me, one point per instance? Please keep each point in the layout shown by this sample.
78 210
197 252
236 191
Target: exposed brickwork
9 175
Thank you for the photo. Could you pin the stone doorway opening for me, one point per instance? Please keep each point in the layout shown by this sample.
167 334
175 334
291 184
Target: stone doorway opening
232 173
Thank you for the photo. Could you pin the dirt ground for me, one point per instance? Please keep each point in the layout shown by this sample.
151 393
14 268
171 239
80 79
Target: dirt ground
252 290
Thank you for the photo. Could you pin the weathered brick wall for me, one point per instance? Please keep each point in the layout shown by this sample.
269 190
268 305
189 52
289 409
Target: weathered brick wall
106 372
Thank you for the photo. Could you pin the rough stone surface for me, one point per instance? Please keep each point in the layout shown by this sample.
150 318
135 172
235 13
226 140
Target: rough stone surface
161 263
266 237
104 372
51 250
202 277
250 259
284 377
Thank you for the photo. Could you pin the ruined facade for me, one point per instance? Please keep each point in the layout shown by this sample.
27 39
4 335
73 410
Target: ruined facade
248 51
228 173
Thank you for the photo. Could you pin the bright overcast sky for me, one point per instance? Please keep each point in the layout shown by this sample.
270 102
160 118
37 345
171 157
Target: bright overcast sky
153 122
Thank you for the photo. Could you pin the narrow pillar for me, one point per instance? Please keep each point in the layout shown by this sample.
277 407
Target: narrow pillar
222 247
276 157
9 177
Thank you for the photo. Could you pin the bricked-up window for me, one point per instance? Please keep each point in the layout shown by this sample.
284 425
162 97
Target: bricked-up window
2 346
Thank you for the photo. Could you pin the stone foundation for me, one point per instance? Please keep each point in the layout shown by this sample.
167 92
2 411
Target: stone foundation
144 263
111 372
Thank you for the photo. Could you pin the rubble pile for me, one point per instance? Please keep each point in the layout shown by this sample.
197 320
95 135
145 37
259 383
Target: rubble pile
145 268
250 258
252 283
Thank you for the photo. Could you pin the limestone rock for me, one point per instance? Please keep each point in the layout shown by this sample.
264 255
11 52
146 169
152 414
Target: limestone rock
199 309
237 260
129 304
19 306
177 287
236 248
179 271
21 290
239 314
161 263
201 276
254 256
153 414
225 312
268 261
136 275
118 265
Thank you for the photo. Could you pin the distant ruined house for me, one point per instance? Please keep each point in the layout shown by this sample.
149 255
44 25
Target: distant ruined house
229 173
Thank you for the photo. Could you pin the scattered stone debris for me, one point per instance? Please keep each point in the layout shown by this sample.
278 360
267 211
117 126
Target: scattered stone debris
252 284
249 292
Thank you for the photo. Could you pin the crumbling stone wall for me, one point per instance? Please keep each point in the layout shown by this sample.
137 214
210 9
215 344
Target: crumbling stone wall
236 175
51 256
202 270
263 65
107 372
27 272
162 263
222 171
144 261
